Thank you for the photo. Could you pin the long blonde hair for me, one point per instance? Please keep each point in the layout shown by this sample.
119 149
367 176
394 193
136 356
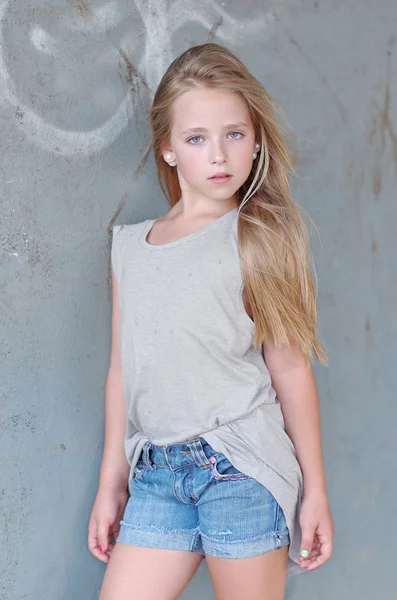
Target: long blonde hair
275 254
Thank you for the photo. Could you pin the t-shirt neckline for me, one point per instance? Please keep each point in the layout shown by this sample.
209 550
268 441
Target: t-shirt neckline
185 238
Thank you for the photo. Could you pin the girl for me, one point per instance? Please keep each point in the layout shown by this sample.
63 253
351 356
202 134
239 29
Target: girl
212 415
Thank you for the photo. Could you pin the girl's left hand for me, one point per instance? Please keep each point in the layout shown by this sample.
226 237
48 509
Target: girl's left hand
317 530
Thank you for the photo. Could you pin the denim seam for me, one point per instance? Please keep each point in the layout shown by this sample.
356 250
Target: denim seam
228 477
173 491
182 466
198 454
276 517
191 487
139 472
273 534
158 529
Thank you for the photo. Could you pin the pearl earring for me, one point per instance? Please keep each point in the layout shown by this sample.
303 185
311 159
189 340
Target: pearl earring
168 158
257 146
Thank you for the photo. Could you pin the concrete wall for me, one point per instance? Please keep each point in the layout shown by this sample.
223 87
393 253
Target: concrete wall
73 134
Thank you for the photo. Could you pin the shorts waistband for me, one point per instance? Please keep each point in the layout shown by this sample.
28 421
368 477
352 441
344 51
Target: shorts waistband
178 455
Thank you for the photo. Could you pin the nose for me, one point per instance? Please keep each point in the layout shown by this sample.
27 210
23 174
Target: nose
217 154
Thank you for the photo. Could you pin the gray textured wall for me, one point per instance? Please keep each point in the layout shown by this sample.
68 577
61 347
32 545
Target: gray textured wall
73 135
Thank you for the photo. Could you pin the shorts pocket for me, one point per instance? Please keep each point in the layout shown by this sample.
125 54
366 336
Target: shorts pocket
223 470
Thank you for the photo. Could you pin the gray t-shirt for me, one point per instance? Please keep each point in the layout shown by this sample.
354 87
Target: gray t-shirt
189 367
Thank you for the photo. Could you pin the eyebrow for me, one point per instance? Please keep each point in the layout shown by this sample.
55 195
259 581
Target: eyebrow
239 124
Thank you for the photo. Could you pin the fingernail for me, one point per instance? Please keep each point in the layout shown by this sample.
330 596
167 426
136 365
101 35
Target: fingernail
305 553
102 549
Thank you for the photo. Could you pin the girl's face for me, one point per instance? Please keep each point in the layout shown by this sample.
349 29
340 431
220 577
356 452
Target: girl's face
211 133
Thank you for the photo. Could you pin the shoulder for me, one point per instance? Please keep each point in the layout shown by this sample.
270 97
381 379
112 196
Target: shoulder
123 239
234 230
126 232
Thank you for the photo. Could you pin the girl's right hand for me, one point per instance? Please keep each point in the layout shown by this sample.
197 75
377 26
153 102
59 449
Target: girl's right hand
104 523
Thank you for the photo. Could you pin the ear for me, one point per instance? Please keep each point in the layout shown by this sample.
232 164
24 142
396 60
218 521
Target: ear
165 147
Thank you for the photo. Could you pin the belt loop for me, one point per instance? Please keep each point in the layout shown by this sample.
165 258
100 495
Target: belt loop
199 454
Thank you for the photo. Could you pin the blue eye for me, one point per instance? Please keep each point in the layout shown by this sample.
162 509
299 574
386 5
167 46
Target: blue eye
196 137
237 135
235 132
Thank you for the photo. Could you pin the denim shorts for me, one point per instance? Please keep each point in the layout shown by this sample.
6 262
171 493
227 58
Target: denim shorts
187 496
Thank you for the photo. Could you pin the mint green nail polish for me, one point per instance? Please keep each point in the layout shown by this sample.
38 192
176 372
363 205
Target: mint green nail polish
305 553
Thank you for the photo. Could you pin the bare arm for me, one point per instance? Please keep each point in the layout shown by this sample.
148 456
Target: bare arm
114 468
294 383
296 389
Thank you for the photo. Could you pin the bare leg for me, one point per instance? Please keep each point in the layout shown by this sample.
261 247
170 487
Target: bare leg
138 573
261 577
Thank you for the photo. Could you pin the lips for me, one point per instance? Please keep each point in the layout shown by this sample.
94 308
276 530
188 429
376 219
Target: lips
220 178
220 175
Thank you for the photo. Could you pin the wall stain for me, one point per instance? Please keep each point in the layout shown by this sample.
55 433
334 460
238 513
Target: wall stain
342 110
83 8
116 213
19 113
369 340
377 180
143 160
135 80
214 29
138 89
381 128
18 421
17 243
358 181
372 132
384 113
109 229
367 555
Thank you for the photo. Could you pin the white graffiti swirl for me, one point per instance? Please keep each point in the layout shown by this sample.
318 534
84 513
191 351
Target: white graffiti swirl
160 19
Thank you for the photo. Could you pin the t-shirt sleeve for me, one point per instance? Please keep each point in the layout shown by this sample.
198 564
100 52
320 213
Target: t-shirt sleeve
115 253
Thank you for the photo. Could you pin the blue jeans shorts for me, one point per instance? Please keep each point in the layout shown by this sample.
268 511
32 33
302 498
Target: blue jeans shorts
187 496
